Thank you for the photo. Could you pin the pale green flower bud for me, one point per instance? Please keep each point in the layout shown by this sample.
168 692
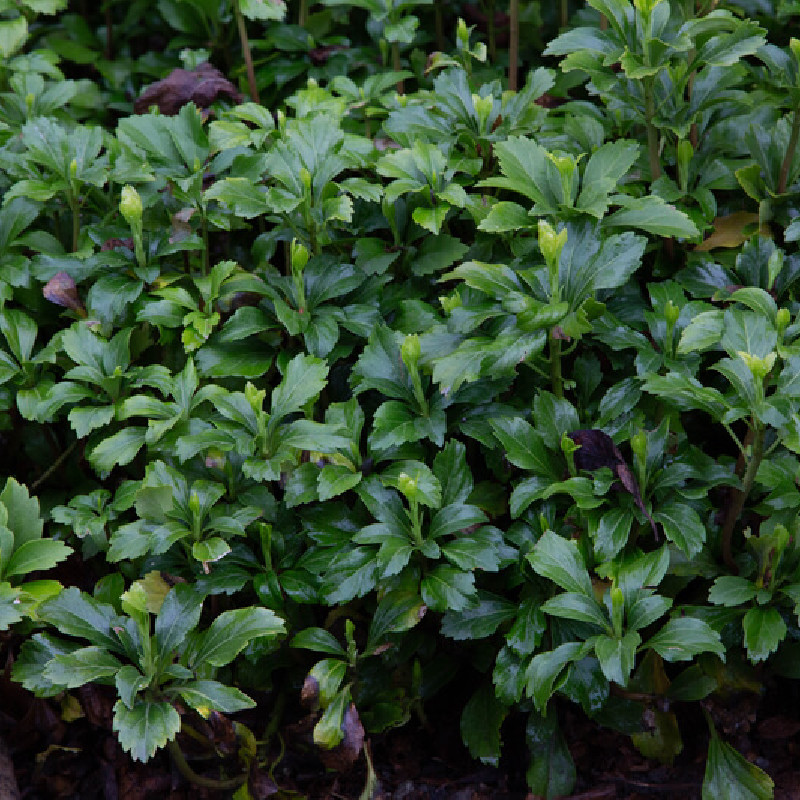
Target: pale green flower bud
783 319
671 313
639 445
407 485
299 254
483 107
130 206
551 243
617 608
760 367
410 350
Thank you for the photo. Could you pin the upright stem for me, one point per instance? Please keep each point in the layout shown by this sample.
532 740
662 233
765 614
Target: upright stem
109 52
513 43
556 380
740 496
652 131
248 58
438 22
302 14
603 22
76 225
396 65
206 255
786 165
564 13
490 28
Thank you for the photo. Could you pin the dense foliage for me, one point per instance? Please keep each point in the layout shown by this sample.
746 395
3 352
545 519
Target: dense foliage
397 378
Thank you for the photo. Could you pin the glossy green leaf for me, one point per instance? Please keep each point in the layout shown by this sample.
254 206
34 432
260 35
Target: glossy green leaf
559 560
86 665
480 725
682 638
729 774
36 555
230 633
764 630
617 657
146 727
205 696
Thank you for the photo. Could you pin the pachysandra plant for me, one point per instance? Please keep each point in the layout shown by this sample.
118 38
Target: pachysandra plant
450 384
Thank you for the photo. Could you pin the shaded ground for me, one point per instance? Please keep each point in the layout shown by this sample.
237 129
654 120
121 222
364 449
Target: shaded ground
81 760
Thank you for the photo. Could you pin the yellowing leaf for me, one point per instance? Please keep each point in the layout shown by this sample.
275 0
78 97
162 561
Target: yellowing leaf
732 231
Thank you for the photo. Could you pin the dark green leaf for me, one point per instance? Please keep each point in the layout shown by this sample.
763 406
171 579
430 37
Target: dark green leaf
480 725
146 727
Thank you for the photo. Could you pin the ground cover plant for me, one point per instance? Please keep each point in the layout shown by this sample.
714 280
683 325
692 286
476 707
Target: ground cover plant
356 352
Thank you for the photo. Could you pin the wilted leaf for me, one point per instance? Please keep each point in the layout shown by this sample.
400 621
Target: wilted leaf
115 242
320 55
61 290
597 449
201 86
346 753
309 694
732 231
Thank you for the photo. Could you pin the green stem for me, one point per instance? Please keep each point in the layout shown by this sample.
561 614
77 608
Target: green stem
248 58
76 225
419 394
416 523
652 131
740 496
564 13
206 255
556 380
199 780
786 165
302 14
54 466
513 44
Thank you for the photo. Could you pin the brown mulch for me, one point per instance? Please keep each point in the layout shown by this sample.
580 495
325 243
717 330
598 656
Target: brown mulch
49 758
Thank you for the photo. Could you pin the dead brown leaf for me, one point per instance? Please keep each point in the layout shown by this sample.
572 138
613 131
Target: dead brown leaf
346 753
61 290
201 86
597 449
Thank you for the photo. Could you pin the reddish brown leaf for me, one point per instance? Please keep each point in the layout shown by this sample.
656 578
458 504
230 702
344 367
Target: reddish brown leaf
319 55
309 694
261 785
181 229
202 86
97 703
346 753
61 290
112 244
597 449
629 482
558 333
